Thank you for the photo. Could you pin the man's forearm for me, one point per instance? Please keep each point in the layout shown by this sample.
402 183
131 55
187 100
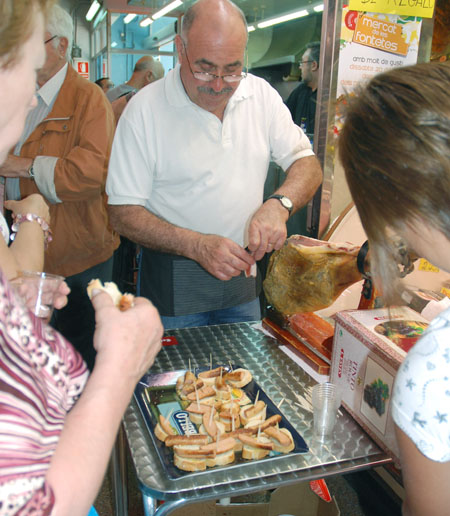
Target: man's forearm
304 176
16 166
143 227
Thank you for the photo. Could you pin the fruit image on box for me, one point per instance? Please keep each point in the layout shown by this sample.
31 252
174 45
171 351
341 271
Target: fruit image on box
375 395
404 333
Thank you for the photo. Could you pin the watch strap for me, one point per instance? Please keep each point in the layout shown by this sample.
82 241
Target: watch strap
280 198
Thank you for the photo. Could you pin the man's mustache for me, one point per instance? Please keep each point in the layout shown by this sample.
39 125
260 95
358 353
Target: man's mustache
211 91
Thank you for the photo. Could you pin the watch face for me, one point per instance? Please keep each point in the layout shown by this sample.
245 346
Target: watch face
287 203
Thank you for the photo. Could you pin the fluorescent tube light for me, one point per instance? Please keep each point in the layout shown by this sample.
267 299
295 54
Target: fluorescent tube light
251 28
169 7
129 17
145 22
281 19
95 6
318 8
100 17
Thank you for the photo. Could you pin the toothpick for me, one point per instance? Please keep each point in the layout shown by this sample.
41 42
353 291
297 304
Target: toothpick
257 397
210 361
231 367
196 394
189 365
281 403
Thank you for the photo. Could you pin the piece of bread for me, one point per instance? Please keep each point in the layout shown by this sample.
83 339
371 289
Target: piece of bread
209 423
255 448
205 392
260 425
239 396
189 387
195 451
196 412
223 452
189 464
163 429
223 391
281 438
122 301
221 459
239 377
209 377
220 428
238 443
255 412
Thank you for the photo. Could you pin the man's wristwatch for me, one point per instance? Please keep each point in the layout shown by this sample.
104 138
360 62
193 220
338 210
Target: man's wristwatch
285 201
31 171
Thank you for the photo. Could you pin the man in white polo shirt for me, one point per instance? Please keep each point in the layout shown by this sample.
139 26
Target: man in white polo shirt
187 172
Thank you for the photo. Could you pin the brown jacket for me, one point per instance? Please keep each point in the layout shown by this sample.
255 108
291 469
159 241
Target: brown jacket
79 130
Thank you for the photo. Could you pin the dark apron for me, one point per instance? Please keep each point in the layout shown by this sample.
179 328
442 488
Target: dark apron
179 286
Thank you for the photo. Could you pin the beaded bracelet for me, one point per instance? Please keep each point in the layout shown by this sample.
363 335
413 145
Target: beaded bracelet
31 217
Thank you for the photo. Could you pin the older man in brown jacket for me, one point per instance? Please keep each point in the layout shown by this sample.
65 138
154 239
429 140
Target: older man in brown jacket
63 154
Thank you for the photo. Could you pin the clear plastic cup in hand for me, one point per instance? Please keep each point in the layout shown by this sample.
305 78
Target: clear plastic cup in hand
38 290
326 399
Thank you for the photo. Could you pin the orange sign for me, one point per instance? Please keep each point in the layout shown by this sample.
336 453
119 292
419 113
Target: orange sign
380 34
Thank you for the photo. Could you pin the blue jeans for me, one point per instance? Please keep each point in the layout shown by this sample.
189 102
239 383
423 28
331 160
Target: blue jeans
241 313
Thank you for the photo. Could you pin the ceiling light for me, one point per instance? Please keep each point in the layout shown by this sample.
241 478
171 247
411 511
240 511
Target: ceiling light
281 19
145 22
114 44
169 7
318 8
129 17
100 16
95 6
251 28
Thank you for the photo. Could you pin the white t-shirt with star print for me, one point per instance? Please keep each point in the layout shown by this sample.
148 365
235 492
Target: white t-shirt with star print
421 400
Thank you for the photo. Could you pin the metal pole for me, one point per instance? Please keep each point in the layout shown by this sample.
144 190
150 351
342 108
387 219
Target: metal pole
320 208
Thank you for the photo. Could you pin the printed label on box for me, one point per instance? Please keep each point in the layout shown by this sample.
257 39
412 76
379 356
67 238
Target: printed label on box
377 393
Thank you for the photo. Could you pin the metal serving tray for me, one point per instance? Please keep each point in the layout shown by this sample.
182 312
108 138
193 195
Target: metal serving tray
156 394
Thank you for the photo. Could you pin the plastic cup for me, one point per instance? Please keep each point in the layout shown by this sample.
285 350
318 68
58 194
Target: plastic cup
326 399
38 290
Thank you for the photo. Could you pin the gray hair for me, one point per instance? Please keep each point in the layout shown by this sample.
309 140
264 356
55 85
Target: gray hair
59 23
191 13
157 69
314 47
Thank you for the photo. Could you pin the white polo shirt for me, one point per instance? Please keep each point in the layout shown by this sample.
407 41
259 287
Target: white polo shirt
183 164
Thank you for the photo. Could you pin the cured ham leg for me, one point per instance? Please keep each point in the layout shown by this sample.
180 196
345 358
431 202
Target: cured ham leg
306 275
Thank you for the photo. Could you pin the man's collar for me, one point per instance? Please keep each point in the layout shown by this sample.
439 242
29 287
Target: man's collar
51 88
177 96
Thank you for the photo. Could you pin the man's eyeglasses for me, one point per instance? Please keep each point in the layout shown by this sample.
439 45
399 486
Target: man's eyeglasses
208 77
50 39
301 63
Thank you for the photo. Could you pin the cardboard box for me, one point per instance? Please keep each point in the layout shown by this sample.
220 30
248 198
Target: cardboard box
369 346
295 500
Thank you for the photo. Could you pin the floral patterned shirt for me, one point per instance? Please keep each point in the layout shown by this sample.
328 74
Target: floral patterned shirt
41 377
421 400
